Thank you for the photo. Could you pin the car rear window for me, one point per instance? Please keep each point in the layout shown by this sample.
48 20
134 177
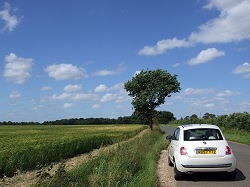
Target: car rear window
202 134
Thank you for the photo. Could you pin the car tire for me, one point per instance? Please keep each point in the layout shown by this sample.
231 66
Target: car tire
231 175
177 174
170 163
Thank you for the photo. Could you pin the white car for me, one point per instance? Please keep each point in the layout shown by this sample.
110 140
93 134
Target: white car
200 148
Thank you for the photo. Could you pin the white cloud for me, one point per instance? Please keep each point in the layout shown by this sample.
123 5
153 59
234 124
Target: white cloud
209 105
100 88
176 65
117 87
108 97
103 72
61 97
106 72
83 96
14 95
232 25
243 69
162 46
96 106
10 21
116 97
72 88
198 91
67 105
227 93
65 72
205 56
136 73
17 69
46 88
245 105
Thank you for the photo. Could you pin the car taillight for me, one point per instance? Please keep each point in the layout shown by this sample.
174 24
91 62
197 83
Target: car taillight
228 150
183 151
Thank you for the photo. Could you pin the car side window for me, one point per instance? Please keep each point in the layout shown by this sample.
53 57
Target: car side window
176 134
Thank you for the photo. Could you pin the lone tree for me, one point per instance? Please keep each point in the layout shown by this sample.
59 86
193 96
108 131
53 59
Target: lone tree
149 90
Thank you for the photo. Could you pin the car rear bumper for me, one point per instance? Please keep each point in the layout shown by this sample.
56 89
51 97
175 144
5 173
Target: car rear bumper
208 166
221 164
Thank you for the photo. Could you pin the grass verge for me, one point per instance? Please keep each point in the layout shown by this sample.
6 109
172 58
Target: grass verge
132 164
236 135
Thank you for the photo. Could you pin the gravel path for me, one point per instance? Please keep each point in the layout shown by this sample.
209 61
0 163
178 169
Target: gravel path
164 172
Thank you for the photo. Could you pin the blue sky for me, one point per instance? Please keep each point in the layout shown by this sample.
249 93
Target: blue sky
70 59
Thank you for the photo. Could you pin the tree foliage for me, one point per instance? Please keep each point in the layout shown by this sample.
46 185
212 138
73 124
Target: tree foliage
149 90
165 117
239 121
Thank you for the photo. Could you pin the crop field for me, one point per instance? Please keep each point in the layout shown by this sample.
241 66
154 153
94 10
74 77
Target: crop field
24 148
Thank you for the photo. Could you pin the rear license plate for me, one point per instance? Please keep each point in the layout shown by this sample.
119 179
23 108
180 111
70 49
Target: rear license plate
205 151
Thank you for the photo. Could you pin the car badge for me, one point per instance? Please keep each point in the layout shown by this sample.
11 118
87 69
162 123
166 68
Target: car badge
205 143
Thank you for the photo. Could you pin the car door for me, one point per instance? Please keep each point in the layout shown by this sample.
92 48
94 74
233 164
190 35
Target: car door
174 143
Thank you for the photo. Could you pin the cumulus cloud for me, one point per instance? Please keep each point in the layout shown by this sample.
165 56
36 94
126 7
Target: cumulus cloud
100 88
106 72
96 106
83 96
61 97
17 69
117 93
198 91
162 46
108 97
136 73
205 56
176 65
117 87
67 105
65 72
74 96
72 88
46 88
243 69
227 93
14 95
232 25
9 21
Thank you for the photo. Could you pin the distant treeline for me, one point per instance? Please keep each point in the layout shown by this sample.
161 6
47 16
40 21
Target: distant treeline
240 121
162 116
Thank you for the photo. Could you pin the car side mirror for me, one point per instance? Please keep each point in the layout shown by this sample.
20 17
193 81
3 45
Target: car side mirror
169 138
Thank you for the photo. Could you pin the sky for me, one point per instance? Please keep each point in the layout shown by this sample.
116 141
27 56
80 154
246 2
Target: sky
66 59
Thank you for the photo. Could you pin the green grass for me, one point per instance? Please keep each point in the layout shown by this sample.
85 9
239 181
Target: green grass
130 164
236 135
25 148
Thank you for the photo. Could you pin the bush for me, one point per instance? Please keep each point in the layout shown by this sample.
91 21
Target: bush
238 121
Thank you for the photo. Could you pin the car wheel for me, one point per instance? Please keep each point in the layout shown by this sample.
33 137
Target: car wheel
231 175
170 163
177 174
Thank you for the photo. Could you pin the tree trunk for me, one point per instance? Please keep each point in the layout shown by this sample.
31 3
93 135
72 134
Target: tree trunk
151 123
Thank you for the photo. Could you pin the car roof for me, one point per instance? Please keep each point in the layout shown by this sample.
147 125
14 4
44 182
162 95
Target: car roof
196 126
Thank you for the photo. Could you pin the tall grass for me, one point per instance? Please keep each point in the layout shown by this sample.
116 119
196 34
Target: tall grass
130 164
24 148
236 135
